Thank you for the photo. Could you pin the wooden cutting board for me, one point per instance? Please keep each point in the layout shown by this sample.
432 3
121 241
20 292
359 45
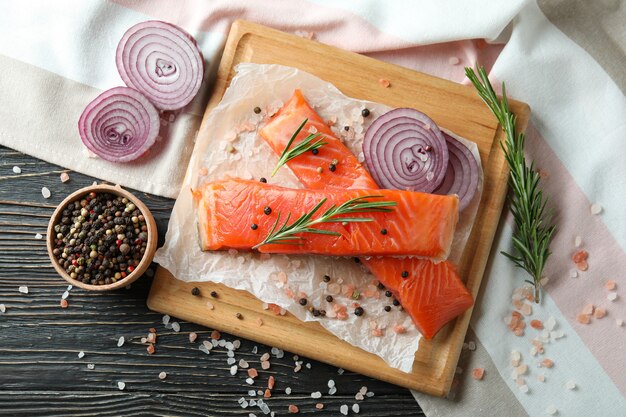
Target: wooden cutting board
451 106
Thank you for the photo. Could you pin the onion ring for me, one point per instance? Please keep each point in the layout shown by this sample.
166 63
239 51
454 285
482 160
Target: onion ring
119 125
162 61
462 173
404 149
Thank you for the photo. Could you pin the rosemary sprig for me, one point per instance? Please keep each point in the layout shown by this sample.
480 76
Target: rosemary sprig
306 145
533 234
286 234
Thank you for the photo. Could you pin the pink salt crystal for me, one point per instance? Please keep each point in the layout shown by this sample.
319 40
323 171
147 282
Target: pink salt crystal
399 329
252 373
580 256
259 321
582 318
384 82
588 309
265 365
334 288
548 363
536 324
203 171
518 332
478 373
599 313
319 406
526 309
518 304
65 177
520 381
522 369
582 265
293 409
210 305
541 378
270 382
215 334
610 285
377 332
192 337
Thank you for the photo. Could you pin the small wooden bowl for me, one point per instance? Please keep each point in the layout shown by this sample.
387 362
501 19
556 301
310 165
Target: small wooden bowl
150 246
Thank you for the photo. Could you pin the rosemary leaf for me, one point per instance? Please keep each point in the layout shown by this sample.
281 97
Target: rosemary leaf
306 145
286 233
532 234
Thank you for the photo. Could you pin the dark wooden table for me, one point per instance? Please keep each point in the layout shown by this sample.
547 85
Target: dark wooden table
41 373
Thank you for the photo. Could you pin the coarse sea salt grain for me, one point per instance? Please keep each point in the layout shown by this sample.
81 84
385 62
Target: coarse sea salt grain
162 375
596 208
166 319
331 383
316 394
65 295
81 354
612 296
3 308
288 390
231 361
64 177
121 385
249 381
578 241
38 236
356 408
120 341
551 409
570 385
233 370
17 170
176 326
344 410
91 366
45 192
23 289
573 273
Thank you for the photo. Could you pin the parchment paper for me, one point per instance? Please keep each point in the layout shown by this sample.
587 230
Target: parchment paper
229 146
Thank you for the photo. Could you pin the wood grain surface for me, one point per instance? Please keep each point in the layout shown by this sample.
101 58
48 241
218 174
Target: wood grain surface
452 106
41 374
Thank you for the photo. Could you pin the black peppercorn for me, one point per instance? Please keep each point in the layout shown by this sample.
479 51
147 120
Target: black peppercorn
302 301
405 274
332 167
267 210
346 128
329 298
254 226
257 110
195 291
380 286
326 278
315 151
214 294
239 316
316 312
365 112
396 302
387 309
357 260
383 231
388 293
358 311
263 180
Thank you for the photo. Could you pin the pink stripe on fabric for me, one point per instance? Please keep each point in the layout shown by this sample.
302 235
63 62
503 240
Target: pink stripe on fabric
606 261
332 26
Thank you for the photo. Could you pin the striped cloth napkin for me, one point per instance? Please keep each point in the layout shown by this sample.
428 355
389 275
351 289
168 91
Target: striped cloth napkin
566 59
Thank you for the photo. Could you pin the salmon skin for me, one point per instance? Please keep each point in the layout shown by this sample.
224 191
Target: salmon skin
228 210
431 293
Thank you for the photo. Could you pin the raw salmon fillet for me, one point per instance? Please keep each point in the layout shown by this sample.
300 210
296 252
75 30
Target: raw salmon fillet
433 293
228 209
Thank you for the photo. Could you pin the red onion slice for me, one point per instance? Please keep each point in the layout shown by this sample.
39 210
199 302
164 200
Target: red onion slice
404 149
161 61
120 125
462 173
